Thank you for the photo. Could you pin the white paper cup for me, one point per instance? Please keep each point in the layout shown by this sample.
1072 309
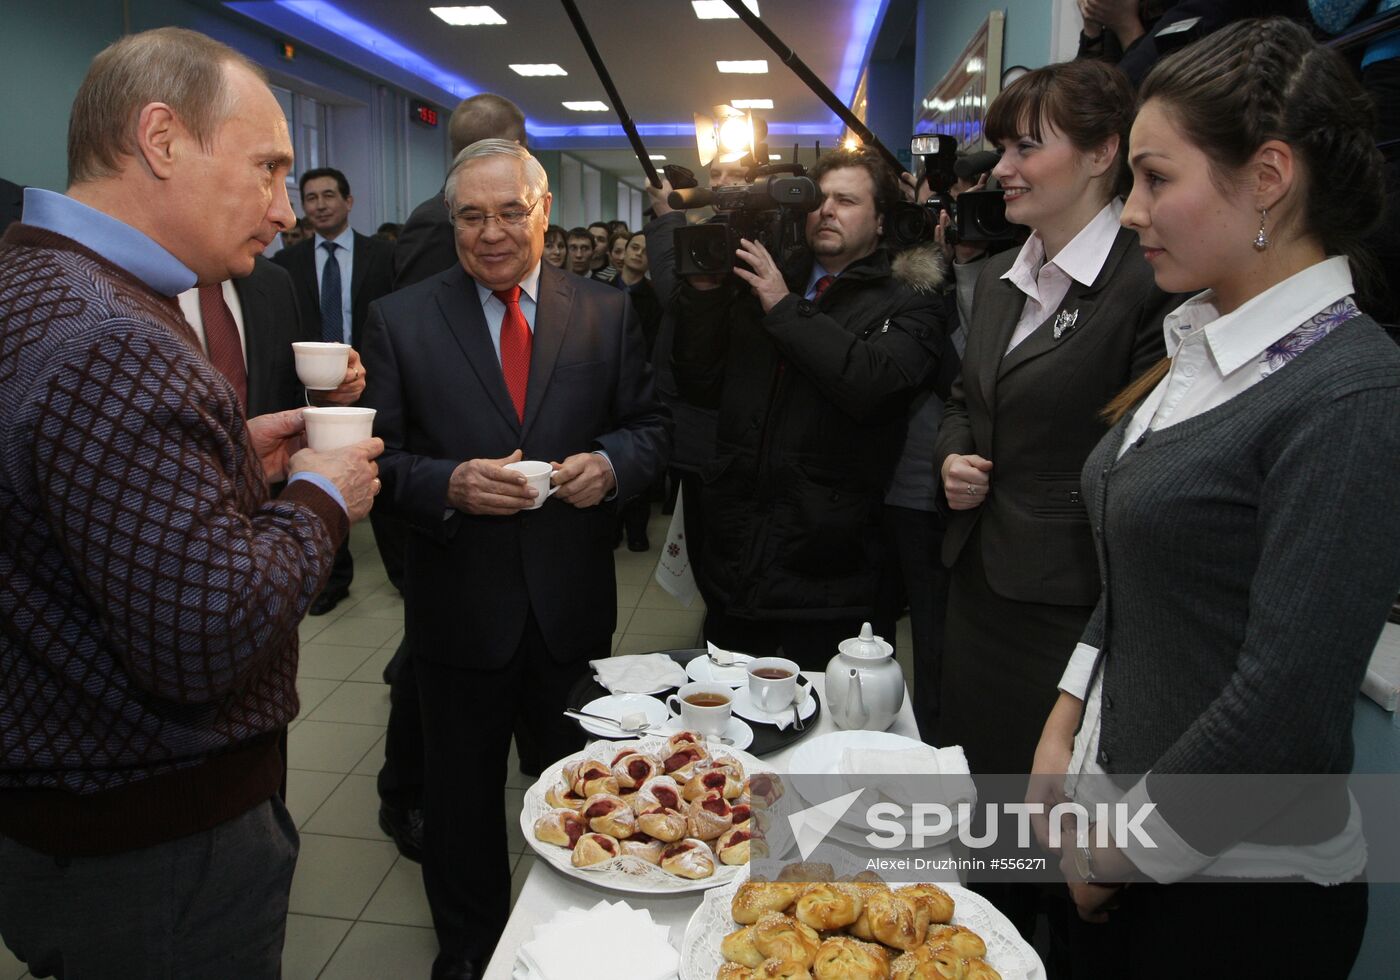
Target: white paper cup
321 366
772 693
333 427
706 719
537 475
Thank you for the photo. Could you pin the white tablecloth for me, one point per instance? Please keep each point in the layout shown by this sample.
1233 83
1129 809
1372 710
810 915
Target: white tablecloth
547 889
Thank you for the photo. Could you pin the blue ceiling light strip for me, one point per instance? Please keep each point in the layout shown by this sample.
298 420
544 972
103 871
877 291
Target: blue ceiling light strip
368 38
866 16
330 18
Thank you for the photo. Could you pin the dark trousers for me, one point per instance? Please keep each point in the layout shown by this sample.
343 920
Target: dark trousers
635 514
469 716
401 777
913 573
1256 931
811 643
389 534
213 904
692 487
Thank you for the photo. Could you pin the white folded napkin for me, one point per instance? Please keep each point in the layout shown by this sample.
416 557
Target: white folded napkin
605 942
783 720
639 674
945 775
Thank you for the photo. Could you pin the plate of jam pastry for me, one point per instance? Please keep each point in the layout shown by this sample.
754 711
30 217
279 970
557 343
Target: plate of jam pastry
819 922
655 815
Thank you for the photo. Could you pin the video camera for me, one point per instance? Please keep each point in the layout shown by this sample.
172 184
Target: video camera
771 208
976 217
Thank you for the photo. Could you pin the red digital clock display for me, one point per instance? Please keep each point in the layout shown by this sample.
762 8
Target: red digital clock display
423 113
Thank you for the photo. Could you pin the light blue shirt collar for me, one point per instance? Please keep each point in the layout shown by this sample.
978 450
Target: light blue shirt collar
818 270
346 239
529 288
116 241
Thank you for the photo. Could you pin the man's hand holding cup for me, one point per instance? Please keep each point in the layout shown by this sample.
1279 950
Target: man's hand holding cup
486 487
352 468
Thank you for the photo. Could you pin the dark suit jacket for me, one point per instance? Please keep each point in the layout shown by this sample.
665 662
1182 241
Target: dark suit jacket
1035 414
271 324
436 381
370 279
426 245
11 203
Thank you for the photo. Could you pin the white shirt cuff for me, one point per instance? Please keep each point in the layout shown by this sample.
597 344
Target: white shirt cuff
1075 680
612 493
1171 859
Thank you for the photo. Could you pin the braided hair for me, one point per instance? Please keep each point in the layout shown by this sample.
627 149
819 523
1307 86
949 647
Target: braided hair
1267 79
1260 80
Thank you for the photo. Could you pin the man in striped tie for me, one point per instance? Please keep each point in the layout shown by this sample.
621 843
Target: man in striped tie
508 596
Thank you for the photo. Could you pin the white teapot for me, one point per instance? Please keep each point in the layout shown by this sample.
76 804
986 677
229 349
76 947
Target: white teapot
864 685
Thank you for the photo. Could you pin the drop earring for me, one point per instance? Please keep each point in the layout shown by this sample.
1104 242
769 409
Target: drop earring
1261 240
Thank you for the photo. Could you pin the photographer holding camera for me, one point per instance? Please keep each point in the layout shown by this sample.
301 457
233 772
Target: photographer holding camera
812 367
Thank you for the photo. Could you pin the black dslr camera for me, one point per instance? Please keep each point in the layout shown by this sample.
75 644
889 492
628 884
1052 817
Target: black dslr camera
771 208
976 217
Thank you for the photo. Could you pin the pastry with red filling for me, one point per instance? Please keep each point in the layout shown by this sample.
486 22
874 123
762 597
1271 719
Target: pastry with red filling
688 858
594 849
562 827
609 814
709 816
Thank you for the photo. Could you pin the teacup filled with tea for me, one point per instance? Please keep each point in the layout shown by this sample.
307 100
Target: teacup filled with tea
703 707
772 682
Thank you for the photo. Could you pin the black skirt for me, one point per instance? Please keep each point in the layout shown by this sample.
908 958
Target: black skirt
1002 661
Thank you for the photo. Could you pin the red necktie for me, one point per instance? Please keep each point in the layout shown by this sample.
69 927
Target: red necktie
822 283
515 348
221 340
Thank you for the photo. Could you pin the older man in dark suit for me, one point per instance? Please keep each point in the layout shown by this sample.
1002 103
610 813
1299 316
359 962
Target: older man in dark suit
426 247
502 358
337 273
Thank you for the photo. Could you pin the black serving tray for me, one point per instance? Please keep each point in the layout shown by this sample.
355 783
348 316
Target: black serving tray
767 739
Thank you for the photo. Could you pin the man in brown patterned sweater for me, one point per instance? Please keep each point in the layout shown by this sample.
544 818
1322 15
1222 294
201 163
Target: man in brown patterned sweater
150 590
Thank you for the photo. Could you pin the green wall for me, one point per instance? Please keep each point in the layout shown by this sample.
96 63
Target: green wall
45 49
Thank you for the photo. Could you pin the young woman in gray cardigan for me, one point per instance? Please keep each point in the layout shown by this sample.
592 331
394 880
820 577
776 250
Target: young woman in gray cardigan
1244 522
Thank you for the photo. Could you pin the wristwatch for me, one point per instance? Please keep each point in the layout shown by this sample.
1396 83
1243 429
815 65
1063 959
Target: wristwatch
1084 863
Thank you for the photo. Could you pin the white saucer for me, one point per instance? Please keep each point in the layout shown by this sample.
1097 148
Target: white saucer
744 707
738 731
702 670
619 706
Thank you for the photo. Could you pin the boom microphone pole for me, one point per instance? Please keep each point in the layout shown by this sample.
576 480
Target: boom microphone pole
628 126
818 87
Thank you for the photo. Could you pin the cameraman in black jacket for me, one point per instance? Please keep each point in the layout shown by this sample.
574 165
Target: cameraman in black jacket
812 369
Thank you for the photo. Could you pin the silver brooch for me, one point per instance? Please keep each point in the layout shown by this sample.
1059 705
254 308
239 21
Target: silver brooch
1064 322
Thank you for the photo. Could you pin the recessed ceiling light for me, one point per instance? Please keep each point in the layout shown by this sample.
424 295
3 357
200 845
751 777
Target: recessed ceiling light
759 67
534 70
752 103
655 156
468 16
586 106
718 9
